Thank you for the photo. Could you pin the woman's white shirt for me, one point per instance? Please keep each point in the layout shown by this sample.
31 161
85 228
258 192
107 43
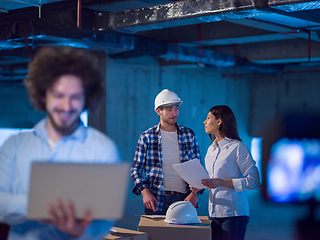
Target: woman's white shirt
230 159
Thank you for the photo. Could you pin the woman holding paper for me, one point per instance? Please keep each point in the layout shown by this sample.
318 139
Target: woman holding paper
232 172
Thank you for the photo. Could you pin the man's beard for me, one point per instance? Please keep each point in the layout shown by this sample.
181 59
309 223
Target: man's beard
64 130
170 121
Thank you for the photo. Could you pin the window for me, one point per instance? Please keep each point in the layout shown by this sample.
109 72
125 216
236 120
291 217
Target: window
5 133
256 150
84 118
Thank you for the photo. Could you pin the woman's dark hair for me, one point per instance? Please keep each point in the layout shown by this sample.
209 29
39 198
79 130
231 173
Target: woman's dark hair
51 63
228 127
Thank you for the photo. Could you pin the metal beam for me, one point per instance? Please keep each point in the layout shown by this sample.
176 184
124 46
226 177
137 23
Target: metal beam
207 57
290 32
277 52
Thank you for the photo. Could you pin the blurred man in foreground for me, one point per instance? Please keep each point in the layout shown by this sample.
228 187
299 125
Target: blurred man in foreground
62 82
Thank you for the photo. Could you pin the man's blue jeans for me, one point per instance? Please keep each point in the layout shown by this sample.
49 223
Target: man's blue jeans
230 228
168 200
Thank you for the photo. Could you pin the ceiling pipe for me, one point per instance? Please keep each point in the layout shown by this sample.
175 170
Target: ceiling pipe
176 14
190 12
235 62
79 14
26 33
309 47
39 12
199 59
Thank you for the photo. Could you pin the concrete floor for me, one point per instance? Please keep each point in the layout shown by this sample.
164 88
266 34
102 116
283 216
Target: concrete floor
268 221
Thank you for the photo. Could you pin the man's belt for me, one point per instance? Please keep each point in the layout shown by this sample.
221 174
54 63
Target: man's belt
167 193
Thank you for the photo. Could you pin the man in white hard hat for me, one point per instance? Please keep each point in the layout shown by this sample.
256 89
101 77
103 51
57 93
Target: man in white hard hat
158 148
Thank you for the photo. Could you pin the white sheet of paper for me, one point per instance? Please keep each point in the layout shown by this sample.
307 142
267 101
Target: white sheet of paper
192 172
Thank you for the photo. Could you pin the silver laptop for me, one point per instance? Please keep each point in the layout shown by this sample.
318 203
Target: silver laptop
102 188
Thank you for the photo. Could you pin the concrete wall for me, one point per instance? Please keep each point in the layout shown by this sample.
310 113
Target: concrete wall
15 108
133 84
295 91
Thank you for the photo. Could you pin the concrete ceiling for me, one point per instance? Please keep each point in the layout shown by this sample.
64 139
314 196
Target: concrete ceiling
263 35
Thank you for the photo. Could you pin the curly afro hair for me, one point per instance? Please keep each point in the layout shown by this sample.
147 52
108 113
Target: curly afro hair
51 63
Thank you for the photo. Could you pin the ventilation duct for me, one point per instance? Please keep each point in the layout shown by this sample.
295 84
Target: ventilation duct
208 57
111 43
294 5
190 12
178 13
183 13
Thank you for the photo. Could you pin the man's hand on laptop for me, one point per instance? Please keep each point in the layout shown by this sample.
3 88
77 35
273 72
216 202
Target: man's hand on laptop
63 217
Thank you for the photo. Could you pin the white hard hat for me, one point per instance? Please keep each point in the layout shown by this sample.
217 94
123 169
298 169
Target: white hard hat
166 97
182 212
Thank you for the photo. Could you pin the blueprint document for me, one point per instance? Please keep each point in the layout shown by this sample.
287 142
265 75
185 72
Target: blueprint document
192 172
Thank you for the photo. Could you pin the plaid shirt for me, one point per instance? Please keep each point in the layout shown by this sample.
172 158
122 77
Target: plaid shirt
148 157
